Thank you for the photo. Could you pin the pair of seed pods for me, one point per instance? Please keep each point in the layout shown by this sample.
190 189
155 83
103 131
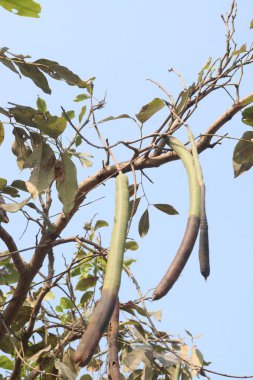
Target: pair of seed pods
196 221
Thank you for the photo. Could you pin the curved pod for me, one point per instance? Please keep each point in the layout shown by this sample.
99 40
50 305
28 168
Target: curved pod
105 306
192 228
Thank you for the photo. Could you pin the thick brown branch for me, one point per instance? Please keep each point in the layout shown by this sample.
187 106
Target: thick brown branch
11 245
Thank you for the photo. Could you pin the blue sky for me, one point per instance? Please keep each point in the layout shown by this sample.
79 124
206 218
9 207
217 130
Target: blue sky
123 44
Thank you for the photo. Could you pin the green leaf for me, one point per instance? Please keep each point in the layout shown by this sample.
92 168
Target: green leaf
8 275
86 377
205 67
68 115
149 110
131 245
1 133
251 24
109 118
196 360
42 160
49 296
100 224
6 363
59 72
3 111
41 105
3 216
3 183
66 303
27 8
247 116
144 224
133 206
67 185
11 191
14 207
8 63
129 262
86 297
19 148
81 97
31 71
19 184
242 49
86 283
78 140
243 154
52 126
64 371
81 115
168 209
131 190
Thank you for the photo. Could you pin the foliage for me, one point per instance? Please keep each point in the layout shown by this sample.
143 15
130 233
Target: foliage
41 321
27 8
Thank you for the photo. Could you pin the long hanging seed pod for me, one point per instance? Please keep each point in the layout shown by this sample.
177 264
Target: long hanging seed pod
105 306
203 229
192 228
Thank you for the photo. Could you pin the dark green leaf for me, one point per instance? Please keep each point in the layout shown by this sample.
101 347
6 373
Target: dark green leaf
133 206
19 184
81 97
144 224
19 148
8 63
59 72
78 141
243 154
32 72
110 118
11 191
149 110
168 209
131 190
41 105
4 112
27 8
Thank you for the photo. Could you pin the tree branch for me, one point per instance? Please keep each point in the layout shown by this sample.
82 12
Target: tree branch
11 245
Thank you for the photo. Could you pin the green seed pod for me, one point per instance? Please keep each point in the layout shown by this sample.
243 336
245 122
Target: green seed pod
105 306
192 228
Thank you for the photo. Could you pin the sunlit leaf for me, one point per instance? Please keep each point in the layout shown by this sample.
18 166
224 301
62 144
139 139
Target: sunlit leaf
68 115
67 185
3 183
81 97
86 283
41 105
110 118
52 126
86 297
243 154
27 8
131 245
205 67
81 115
14 207
42 161
100 223
6 363
149 110
196 360
66 303
78 140
168 209
1 133
242 49
49 296
156 314
144 224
